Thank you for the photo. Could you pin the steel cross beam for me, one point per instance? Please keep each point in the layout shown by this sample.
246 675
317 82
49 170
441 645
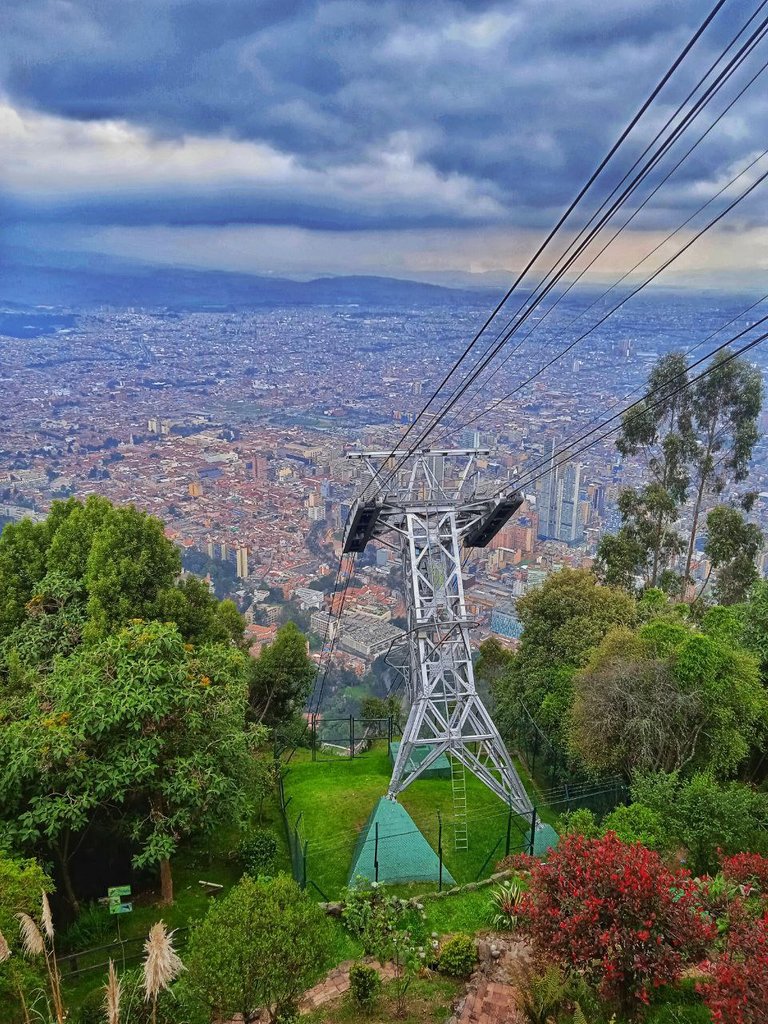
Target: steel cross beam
428 512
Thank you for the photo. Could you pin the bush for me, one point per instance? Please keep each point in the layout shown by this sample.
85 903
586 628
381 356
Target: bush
458 956
364 984
736 990
747 869
581 822
262 944
615 914
258 851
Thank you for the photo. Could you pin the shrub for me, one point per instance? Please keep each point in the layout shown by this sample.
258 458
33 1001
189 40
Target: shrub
458 956
736 990
516 862
507 899
747 869
262 944
258 851
615 914
636 823
580 822
364 984
372 915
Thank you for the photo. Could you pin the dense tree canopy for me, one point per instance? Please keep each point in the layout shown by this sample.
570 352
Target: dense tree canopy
139 727
667 697
563 620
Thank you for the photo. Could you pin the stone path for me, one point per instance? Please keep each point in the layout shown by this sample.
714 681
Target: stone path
492 1002
336 984
491 995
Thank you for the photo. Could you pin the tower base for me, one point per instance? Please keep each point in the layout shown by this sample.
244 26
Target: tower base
404 855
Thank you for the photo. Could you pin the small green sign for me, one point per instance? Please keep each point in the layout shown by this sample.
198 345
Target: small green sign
119 890
122 908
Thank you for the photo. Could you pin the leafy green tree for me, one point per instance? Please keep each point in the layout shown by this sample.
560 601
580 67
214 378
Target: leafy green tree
664 698
493 662
139 728
261 945
199 616
704 816
732 546
377 708
725 405
563 620
130 561
23 549
281 677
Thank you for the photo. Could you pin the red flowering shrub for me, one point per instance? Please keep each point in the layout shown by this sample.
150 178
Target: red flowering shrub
736 991
747 869
517 862
615 913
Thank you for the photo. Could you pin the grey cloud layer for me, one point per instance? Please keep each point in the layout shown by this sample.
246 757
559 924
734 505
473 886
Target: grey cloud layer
513 101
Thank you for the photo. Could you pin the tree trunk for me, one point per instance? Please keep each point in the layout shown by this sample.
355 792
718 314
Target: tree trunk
166 882
694 530
62 852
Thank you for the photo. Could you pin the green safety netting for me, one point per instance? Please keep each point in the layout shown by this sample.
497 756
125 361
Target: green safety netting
404 855
544 837
439 769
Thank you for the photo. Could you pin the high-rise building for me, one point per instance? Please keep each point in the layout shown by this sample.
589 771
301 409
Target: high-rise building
209 548
546 493
242 562
569 526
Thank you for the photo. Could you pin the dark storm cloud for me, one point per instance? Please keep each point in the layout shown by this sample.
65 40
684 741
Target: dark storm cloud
521 99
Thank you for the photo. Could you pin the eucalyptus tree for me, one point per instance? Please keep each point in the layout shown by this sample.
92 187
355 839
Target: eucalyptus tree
725 405
659 430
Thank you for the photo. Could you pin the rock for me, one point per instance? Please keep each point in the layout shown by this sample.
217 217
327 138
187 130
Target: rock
470 887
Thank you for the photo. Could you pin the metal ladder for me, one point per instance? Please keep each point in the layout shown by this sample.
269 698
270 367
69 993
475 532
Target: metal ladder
459 793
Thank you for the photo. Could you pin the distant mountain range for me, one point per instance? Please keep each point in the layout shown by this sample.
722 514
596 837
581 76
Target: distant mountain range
25 284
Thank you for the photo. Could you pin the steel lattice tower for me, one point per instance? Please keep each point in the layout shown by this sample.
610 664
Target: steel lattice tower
432 506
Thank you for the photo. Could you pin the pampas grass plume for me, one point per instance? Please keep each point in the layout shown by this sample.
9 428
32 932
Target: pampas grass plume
31 936
5 949
47 917
161 963
112 998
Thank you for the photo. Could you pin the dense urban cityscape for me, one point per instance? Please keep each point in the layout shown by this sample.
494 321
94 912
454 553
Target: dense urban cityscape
232 428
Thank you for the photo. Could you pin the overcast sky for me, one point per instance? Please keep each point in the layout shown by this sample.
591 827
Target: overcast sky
396 136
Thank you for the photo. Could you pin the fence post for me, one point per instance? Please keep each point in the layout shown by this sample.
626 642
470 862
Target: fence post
440 851
509 831
533 832
376 855
389 733
304 866
314 737
351 736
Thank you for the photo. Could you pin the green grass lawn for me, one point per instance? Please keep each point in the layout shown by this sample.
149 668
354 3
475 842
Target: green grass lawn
333 799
